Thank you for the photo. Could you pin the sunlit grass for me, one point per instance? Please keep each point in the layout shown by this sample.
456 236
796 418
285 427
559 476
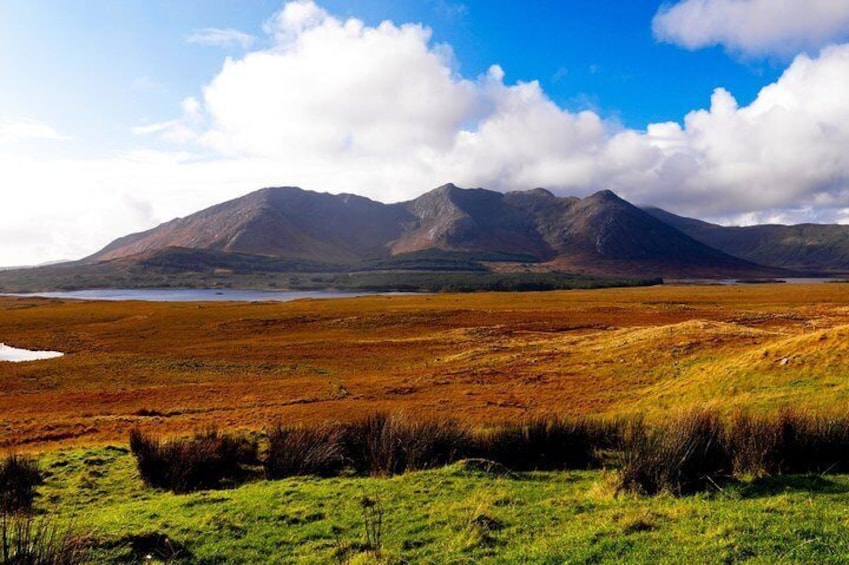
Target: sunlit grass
449 515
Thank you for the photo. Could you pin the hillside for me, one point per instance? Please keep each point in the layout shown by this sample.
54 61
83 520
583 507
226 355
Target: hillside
280 222
818 248
605 234
600 235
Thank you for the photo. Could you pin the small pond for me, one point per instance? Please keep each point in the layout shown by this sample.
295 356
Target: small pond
16 355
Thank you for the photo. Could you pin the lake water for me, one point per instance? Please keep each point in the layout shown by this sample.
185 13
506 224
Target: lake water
16 355
200 295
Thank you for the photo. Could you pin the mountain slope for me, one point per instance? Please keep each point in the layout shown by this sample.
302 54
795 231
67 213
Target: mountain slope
455 219
600 234
822 248
605 234
281 222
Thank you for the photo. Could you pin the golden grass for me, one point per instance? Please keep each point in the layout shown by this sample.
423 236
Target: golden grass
173 367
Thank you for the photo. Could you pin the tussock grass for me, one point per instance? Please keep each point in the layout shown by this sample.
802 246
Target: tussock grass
27 540
700 450
695 451
789 442
682 456
300 450
19 475
207 460
386 444
546 443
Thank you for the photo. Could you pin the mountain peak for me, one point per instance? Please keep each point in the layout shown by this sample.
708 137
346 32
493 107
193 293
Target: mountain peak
605 196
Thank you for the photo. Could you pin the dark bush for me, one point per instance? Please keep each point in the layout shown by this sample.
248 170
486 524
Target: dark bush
753 443
206 461
545 444
384 444
373 445
19 475
696 451
682 456
434 443
789 442
305 451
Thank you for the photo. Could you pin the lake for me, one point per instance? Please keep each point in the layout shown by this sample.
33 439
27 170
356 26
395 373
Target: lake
16 355
200 295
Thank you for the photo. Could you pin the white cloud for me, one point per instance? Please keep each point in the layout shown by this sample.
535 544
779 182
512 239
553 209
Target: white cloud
15 129
180 130
295 17
221 38
785 150
754 27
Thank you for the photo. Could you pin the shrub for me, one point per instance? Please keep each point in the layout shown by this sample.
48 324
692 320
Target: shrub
545 444
807 443
19 475
428 444
753 443
373 445
789 442
25 540
382 444
685 455
206 461
305 451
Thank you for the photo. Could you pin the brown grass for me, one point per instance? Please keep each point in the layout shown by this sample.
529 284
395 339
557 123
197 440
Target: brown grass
479 358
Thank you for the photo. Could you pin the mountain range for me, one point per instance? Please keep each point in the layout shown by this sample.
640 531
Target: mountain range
291 229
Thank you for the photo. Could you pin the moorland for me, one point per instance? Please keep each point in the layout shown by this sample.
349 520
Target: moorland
481 359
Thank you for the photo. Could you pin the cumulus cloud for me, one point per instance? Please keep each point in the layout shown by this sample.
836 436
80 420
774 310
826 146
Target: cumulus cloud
785 150
754 27
221 37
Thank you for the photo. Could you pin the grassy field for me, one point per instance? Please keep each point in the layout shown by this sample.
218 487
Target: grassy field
488 357
449 515
171 368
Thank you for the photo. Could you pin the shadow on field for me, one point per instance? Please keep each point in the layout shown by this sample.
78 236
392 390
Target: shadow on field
770 486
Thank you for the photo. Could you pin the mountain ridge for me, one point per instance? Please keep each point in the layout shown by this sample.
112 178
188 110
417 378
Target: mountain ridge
822 248
599 234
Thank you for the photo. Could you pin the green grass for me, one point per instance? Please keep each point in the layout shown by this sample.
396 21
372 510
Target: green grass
450 515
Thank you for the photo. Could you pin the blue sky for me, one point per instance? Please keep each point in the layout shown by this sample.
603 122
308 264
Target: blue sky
115 116
100 67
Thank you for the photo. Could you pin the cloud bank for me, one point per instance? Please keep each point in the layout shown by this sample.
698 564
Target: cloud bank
754 27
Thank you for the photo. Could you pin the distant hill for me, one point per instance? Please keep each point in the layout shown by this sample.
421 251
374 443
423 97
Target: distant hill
814 248
295 238
601 234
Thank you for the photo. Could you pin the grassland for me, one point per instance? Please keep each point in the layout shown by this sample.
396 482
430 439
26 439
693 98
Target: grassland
449 515
169 368
483 358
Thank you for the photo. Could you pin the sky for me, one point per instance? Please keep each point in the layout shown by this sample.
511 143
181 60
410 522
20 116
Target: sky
117 116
